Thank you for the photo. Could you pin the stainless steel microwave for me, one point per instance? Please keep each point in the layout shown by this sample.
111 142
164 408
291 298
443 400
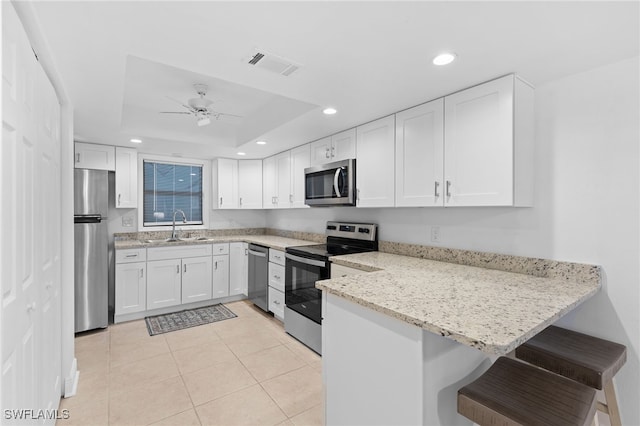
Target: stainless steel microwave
331 184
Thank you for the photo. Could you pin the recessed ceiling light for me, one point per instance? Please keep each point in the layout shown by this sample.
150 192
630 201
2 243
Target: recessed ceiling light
242 153
136 140
329 111
444 58
261 142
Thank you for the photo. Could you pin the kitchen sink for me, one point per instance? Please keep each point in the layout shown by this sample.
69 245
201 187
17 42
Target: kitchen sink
177 240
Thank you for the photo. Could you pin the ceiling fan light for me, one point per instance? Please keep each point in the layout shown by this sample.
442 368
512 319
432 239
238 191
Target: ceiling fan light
203 121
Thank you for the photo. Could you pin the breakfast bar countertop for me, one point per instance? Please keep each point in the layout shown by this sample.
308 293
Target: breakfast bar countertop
491 310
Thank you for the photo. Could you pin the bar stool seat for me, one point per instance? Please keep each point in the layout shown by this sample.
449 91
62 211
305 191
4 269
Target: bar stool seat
580 357
513 393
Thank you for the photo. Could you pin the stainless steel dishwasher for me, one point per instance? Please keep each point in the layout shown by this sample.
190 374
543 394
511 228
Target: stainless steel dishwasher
259 276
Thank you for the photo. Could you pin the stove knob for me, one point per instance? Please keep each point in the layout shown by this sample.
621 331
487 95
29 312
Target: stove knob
364 230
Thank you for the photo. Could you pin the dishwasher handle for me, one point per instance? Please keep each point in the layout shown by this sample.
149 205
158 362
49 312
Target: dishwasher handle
257 253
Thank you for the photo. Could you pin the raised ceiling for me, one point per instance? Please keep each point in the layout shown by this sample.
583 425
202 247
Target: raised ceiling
367 59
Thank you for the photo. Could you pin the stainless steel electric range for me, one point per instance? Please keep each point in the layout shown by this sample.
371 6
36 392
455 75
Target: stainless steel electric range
307 264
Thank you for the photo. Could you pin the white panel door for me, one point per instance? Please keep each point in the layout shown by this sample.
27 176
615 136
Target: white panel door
220 276
269 183
196 279
238 268
283 180
420 155
250 184
164 283
300 160
227 183
321 151
131 288
375 163
343 145
126 178
479 145
30 246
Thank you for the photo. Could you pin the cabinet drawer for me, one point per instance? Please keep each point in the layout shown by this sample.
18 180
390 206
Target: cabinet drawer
131 255
220 248
276 302
276 256
163 253
276 276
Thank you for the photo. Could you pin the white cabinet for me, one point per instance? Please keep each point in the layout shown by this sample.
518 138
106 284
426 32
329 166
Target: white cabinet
164 283
276 181
196 279
220 276
126 178
131 282
93 156
488 150
238 268
276 283
340 146
420 155
250 184
224 173
375 163
300 160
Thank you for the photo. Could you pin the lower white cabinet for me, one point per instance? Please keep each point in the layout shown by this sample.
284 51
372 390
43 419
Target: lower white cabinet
196 279
276 303
164 283
131 287
220 276
238 268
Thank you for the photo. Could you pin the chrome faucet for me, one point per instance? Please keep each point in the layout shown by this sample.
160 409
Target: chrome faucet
174 237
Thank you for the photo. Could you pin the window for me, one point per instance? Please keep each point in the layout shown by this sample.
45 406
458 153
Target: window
170 187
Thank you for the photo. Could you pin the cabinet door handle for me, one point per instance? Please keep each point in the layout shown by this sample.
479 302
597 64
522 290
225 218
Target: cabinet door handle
119 197
358 194
177 269
215 265
132 255
141 272
435 190
77 157
220 200
448 190
277 277
184 268
333 151
291 198
240 200
276 302
326 153
246 252
273 200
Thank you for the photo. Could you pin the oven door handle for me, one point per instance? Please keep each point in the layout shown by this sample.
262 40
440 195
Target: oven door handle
306 261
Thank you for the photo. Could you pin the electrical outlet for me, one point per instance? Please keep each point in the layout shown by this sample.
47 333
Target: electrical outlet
127 221
435 234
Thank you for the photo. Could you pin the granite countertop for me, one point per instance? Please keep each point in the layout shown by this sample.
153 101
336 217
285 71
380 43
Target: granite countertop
490 310
271 241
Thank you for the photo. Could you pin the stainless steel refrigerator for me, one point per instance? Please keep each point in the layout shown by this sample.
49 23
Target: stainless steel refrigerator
91 196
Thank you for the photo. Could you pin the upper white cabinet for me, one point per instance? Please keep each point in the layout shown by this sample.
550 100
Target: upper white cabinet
340 146
375 174
92 156
419 155
489 144
276 181
250 184
224 173
300 160
126 178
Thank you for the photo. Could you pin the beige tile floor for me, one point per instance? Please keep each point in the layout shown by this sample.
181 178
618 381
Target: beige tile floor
241 371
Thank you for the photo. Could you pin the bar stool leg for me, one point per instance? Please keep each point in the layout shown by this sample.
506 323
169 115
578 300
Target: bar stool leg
612 404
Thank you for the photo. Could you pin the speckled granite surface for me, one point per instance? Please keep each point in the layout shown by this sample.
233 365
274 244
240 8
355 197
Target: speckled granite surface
491 310
129 241
298 235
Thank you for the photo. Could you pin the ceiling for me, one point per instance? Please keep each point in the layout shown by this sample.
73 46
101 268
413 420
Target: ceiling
119 61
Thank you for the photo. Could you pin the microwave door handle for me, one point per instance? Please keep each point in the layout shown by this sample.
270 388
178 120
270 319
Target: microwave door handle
336 186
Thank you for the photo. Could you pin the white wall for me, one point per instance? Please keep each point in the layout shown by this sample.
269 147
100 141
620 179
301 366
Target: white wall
586 206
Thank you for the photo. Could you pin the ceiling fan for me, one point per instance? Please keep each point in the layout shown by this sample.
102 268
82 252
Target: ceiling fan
200 107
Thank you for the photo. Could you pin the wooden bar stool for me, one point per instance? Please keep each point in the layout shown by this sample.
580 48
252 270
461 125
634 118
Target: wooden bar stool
580 357
513 393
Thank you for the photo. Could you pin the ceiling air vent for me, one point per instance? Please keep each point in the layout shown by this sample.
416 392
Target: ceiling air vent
273 63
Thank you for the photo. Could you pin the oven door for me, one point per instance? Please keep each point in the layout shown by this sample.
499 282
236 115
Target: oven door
330 184
300 294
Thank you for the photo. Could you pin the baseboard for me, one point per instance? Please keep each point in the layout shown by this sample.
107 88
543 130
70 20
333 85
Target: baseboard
71 381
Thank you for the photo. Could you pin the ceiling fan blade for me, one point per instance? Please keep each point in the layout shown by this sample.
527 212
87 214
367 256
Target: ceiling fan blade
174 112
180 103
223 114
